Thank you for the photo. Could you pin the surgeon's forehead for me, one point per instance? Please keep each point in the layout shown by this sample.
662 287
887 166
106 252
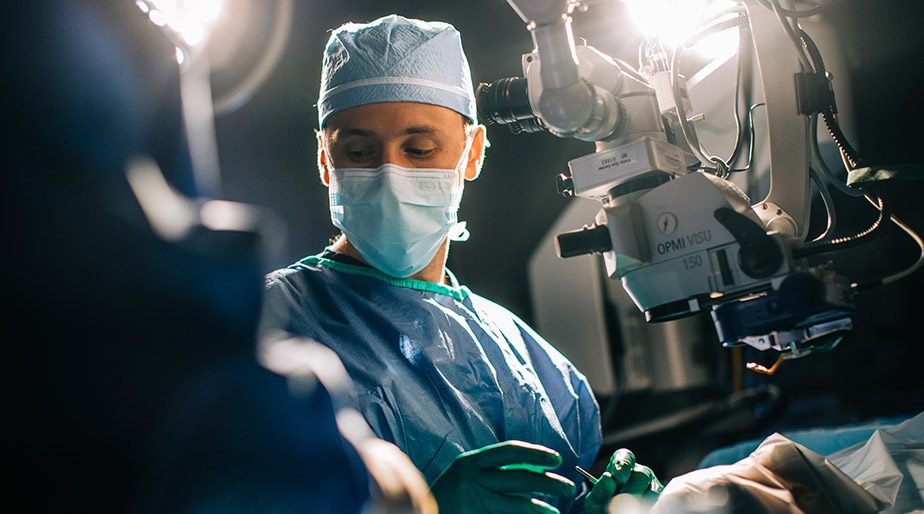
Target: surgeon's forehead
386 119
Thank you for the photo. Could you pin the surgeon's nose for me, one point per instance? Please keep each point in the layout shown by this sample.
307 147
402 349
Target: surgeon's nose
392 155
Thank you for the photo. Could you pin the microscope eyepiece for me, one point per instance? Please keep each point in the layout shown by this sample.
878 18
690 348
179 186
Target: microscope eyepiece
506 102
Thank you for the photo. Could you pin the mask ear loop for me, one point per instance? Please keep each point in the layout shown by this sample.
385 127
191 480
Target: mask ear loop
463 160
459 232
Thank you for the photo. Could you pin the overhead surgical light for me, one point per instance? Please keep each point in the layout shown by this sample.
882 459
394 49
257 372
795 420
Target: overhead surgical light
190 25
190 20
720 45
671 23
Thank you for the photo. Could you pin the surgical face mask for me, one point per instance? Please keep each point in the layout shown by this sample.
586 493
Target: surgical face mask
397 217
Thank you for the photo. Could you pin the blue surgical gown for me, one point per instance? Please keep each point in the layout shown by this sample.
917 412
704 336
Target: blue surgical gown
439 370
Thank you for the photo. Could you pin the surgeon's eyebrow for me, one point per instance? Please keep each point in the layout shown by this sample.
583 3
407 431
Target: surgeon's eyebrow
358 132
422 129
344 132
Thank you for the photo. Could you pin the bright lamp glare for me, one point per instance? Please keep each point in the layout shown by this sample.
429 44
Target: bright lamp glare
190 19
673 22
669 21
206 11
720 45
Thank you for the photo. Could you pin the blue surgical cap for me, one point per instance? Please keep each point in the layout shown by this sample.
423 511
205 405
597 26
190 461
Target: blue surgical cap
395 59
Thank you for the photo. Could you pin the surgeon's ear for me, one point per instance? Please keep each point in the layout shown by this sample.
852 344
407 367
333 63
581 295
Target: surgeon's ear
323 167
476 154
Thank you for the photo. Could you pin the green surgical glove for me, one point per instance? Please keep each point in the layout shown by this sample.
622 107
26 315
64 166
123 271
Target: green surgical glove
501 478
622 476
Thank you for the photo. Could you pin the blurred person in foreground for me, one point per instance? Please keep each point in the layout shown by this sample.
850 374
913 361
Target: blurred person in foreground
132 379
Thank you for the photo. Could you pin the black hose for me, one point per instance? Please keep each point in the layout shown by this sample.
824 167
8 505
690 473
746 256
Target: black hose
851 156
843 242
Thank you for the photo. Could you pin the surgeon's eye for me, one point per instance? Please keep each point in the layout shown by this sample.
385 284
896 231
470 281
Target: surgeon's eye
419 152
358 153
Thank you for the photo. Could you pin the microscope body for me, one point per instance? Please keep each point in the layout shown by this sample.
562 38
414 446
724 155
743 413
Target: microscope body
683 240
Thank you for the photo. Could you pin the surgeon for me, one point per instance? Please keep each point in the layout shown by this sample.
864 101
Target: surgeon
495 418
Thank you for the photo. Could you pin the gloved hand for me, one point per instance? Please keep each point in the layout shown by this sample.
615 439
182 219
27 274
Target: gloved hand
622 476
500 478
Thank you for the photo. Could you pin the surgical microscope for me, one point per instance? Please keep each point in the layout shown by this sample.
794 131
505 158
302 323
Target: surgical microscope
672 226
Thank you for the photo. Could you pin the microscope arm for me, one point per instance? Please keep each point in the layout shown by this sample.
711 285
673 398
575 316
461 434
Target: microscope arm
786 207
567 105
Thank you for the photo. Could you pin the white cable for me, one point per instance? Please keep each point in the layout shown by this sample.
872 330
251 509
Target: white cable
913 235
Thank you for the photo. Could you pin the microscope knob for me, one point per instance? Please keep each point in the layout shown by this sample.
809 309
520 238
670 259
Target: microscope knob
759 256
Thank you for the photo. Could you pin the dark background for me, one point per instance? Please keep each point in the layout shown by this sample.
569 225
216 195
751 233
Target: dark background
268 154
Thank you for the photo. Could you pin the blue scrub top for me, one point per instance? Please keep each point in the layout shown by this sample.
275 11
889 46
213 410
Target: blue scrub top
438 369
